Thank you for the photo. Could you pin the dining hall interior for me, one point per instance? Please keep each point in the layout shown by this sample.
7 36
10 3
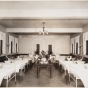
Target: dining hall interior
44 43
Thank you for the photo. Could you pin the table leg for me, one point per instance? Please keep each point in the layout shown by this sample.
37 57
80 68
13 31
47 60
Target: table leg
37 72
50 72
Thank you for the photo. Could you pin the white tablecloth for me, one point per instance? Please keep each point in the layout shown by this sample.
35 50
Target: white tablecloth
6 71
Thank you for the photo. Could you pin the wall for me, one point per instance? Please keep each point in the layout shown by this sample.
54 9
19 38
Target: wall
80 42
60 43
3 29
85 29
7 41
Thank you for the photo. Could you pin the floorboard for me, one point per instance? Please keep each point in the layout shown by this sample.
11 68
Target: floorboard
29 79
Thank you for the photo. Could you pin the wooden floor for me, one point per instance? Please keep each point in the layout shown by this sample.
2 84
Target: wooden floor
29 79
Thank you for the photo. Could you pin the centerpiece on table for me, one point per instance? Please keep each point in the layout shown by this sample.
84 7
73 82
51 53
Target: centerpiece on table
43 61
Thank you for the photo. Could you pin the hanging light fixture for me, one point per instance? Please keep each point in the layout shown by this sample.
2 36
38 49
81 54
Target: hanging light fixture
43 31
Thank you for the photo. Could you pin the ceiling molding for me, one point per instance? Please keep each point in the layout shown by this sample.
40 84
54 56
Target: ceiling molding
51 30
59 13
43 0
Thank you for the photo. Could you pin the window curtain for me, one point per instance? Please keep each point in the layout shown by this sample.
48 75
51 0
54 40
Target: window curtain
4 43
10 39
13 44
16 45
85 38
11 48
72 45
3 38
77 49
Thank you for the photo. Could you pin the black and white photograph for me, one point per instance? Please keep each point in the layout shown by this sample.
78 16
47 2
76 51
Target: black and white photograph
44 43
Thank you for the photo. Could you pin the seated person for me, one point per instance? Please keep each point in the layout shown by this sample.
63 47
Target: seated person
36 58
47 55
42 55
33 57
52 58
57 57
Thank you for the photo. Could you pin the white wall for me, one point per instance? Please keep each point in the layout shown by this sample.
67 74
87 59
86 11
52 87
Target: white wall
60 43
3 37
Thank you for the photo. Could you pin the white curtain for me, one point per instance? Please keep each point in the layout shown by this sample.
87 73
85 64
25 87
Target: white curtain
3 37
0 35
77 41
84 44
72 43
10 39
4 43
16 42
85 38
13 44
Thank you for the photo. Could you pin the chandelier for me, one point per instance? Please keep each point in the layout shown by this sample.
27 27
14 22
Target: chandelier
43 31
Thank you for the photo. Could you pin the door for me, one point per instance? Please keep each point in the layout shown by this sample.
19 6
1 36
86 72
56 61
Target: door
50 49
37 48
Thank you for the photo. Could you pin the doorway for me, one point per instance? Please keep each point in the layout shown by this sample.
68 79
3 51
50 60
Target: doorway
49 49
37 48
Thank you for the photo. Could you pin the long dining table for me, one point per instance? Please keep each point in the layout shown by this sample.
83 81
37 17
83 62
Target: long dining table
77 69
12 66
6 72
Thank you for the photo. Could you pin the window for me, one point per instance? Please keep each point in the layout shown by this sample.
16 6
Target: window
1 46
76 48
16 47
72 48
86 47
11 47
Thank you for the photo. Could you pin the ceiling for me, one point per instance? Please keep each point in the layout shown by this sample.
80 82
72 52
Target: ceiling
49 23
21 21
34 5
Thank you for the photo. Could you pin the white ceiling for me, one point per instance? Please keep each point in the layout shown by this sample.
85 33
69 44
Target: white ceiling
77 20
35 5
51 23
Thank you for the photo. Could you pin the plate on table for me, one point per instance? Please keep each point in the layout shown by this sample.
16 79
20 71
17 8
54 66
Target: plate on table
45 62
41 62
